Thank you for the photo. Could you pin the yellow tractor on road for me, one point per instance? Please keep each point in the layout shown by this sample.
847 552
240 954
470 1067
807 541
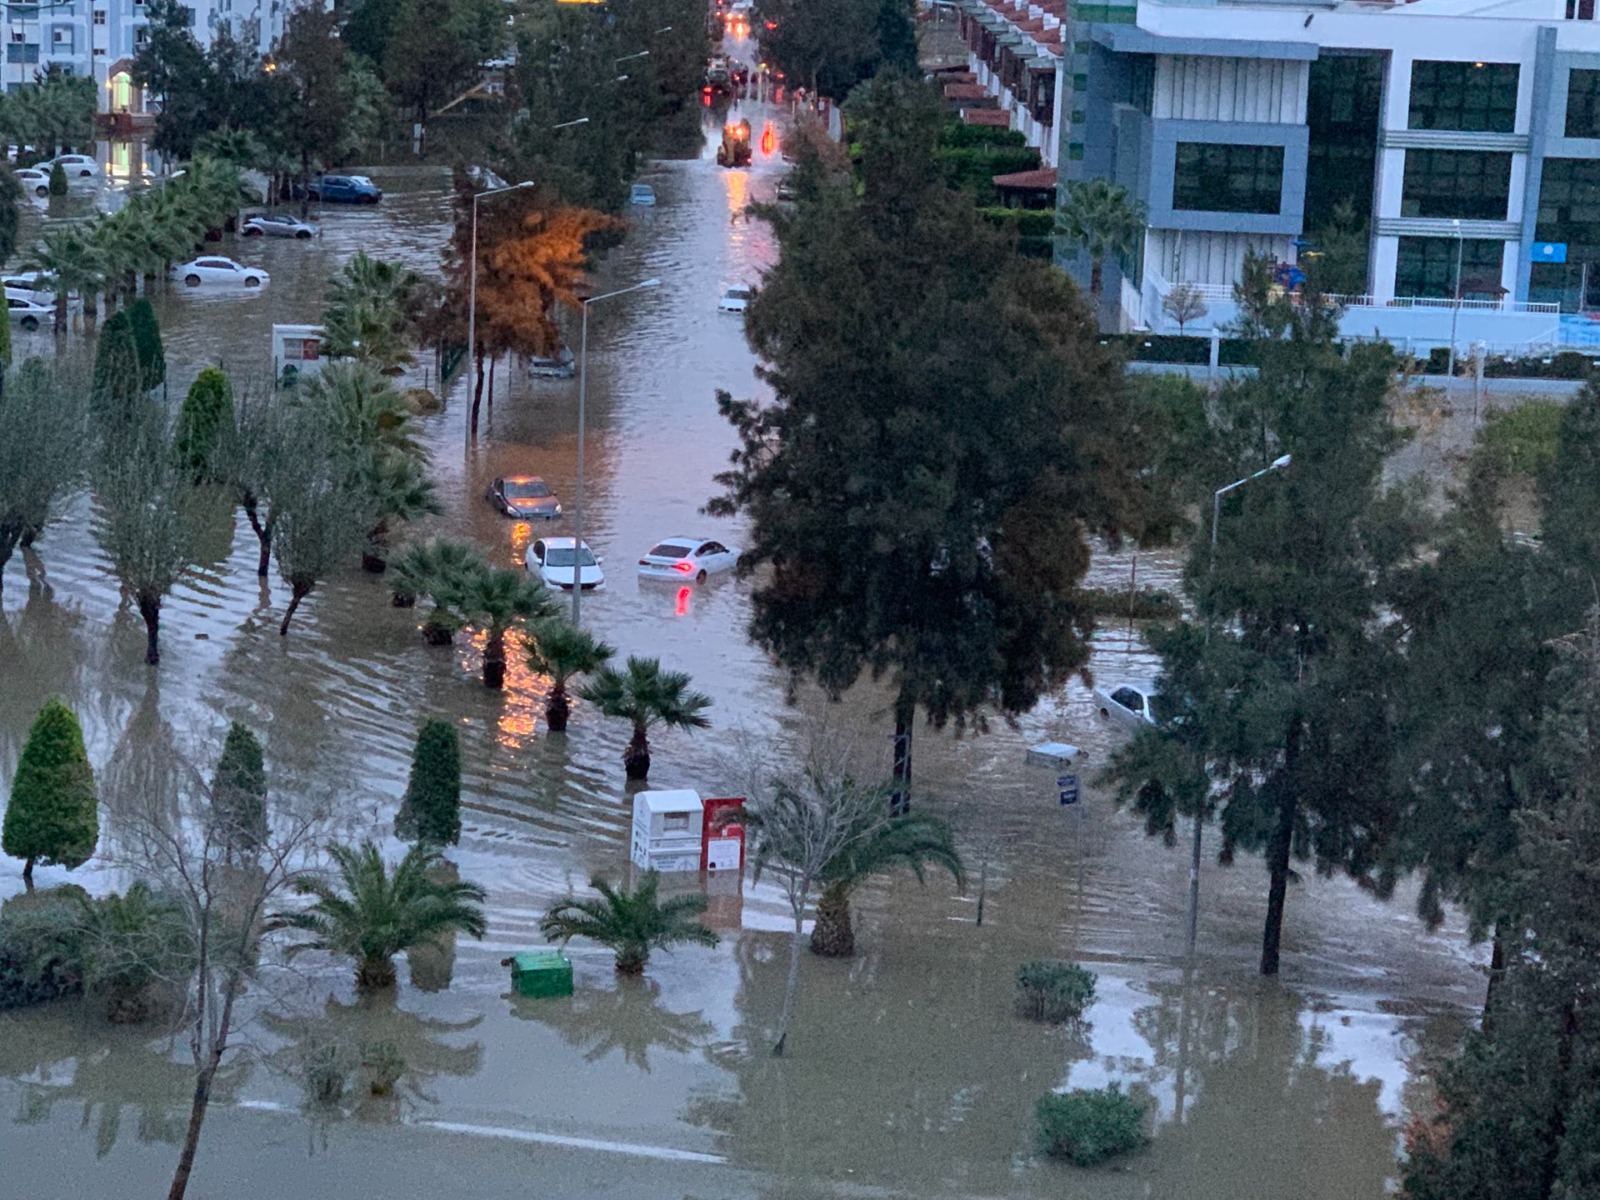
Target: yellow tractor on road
735 148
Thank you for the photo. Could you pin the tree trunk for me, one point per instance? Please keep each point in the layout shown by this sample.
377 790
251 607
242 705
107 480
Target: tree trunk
191 1139
1278 850
632 960
636 758
1096 276
27 873
150 610
263 533
1497 972
375 974
477 391
9 535
833 936
297 593
557 709
374 555
61 310
792 984
437 633
905 715
305 184
494 659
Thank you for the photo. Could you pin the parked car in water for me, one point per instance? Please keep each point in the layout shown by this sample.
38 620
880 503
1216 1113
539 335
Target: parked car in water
29 314
735 300
35 181
643 195
344 189
216 270
41 289
77 166
1131 702
277 225
524 496
687 558
556 561
559 365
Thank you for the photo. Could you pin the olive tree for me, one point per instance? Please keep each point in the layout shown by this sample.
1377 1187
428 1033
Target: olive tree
43 451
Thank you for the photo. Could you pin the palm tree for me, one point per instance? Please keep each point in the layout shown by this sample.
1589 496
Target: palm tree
361 408
1103 218
561 650
398 489
646 695
439 569
374 914
874 847
368 313
496 598
630 923
75 263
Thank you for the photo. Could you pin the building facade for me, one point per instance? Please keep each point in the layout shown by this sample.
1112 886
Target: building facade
1457 140
1015 52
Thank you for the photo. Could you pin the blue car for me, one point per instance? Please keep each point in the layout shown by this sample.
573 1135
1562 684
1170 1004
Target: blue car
345 189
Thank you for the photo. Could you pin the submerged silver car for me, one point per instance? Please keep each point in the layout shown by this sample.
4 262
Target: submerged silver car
276 225
524 496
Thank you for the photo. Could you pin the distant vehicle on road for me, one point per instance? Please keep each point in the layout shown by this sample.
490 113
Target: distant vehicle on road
735 300
77 166
735 148
787 192
29 314
559 365
217 270
277 225
35 181
1132 702
343 189
555 561
524 496
685 558
643 195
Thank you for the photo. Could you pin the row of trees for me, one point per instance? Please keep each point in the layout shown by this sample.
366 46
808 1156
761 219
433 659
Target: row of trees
54 113
831 46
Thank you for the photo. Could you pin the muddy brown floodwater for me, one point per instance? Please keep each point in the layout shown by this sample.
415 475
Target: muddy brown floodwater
908 1073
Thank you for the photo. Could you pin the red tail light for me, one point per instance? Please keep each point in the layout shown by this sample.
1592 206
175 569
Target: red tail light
683 566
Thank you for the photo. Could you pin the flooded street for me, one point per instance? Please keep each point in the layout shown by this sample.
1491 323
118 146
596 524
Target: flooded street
907 1074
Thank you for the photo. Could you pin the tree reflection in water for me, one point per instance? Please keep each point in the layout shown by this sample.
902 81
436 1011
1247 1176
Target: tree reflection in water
629 1019
341 1056
65 1053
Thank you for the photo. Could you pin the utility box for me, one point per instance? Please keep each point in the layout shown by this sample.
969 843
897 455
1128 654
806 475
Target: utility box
722 842
668 830
296 353
541 973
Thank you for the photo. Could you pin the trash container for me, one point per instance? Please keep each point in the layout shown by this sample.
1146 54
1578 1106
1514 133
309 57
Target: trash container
541 973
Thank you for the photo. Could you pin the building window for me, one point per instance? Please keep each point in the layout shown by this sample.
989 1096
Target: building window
99 16
1583 104
1427 268
1581 10
1218 177
1471 185
1461 95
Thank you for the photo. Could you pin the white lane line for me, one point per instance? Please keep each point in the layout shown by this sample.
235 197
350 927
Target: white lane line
662 1153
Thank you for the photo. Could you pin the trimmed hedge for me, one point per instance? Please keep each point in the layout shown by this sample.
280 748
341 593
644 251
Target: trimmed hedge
1054 992
1172 348
41 947
1086 1127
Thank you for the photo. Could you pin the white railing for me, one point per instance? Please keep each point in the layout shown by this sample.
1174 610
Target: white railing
1211 292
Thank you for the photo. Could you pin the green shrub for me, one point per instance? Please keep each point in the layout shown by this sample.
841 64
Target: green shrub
53 815
117 386
1028 222
207 410
959 136
430 813
1054 991
58 180
1146 604
147 343
1086 1126
1522 440
1176 348
134 946
239 792
41 947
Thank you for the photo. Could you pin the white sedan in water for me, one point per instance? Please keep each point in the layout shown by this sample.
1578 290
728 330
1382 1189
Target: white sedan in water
686 558
213 269
554 562
735 300
37 182
1134 702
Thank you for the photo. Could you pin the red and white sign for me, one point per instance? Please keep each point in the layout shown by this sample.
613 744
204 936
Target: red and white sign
722 837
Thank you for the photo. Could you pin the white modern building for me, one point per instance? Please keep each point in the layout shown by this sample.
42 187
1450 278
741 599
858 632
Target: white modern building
1462 135
98 39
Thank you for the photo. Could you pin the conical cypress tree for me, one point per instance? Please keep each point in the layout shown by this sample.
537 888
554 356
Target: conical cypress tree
239 791
431 810
147 344
206 411
117 387
58 180
52 816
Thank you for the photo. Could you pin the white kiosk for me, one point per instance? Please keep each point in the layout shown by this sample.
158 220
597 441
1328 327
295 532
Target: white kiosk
667 830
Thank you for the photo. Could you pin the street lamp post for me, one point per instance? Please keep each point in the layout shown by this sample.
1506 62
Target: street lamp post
1277 464
472 296
1455 316
583 393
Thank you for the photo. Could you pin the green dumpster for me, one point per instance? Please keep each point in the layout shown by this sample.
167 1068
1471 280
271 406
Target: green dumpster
541 973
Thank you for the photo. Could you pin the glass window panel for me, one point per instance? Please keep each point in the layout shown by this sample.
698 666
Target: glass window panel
1218 177
1465 184
1426 267
1481 97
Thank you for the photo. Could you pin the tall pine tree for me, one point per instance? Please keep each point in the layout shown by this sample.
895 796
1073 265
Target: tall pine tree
52 815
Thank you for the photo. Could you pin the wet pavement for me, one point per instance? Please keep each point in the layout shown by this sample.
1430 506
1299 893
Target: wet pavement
908 1073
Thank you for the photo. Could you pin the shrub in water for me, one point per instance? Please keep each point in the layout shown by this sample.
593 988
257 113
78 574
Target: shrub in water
1086 1127
41 947
1054 991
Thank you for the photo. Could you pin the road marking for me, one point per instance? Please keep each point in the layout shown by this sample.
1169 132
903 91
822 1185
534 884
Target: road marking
663 1153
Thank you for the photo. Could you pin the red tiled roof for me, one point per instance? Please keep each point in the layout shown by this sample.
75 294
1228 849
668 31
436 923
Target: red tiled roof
965 91
986 116
1028 181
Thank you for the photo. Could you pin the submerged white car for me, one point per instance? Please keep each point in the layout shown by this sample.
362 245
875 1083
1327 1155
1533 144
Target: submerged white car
35 181
220 270
28 313
555 561
77 166
277 225
735 300
684 558
1132 702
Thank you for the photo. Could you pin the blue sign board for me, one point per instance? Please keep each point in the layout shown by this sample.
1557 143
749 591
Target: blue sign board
1549 252
1067 786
